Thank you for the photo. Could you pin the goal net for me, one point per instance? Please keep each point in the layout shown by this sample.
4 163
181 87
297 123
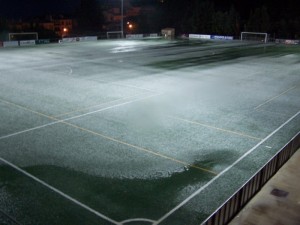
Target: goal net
254 36
114 34
23 36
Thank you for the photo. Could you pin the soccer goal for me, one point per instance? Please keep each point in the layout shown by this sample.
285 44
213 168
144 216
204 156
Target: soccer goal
254 36
114 34
23 36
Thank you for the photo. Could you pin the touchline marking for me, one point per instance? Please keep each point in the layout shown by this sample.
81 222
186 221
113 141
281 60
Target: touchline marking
221 173
216 128
59 192
67 119
271 99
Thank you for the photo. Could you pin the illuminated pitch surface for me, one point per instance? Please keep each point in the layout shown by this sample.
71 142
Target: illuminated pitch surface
139 132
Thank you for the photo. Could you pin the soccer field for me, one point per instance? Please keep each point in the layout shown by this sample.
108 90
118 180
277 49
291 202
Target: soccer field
139 131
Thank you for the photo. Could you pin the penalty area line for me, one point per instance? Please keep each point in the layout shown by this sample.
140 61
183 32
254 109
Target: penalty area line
58 192
273 98
223 172
56 121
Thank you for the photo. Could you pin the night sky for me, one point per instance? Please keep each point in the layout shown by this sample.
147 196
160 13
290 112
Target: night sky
279 18
26 8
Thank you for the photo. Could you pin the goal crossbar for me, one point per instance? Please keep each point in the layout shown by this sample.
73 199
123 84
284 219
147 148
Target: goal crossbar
26 36
255 36
114 32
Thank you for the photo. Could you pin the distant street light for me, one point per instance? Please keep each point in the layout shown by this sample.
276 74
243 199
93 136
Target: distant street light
64 33
122 19
130 26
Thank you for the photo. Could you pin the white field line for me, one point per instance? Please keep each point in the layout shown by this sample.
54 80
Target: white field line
75 60
53 188
58 191
137 220
216 128
70 70
131 86
94 106
271 99
54 64
30 129
9 217
223 172
74 117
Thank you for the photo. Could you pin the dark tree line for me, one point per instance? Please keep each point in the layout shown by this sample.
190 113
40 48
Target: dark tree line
281 19
230 17
224 17
89 16
3 28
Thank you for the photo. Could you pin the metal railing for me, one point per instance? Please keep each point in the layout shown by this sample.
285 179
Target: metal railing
225 213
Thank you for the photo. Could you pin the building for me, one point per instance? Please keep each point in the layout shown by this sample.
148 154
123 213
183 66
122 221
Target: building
62 26
59 25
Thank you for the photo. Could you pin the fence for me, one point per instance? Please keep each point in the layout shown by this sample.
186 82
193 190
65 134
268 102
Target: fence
237 201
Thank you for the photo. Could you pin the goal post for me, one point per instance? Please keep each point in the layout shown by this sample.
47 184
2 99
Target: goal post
23 36
114 34
254 36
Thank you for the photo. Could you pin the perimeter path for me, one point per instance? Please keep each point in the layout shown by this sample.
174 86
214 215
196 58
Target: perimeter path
279 200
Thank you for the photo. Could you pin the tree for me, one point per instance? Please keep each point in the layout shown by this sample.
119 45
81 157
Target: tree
90 17
234 22
150 18
173 13
3 24
259 20
220 23
203 16
200 16
3 29
194 17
